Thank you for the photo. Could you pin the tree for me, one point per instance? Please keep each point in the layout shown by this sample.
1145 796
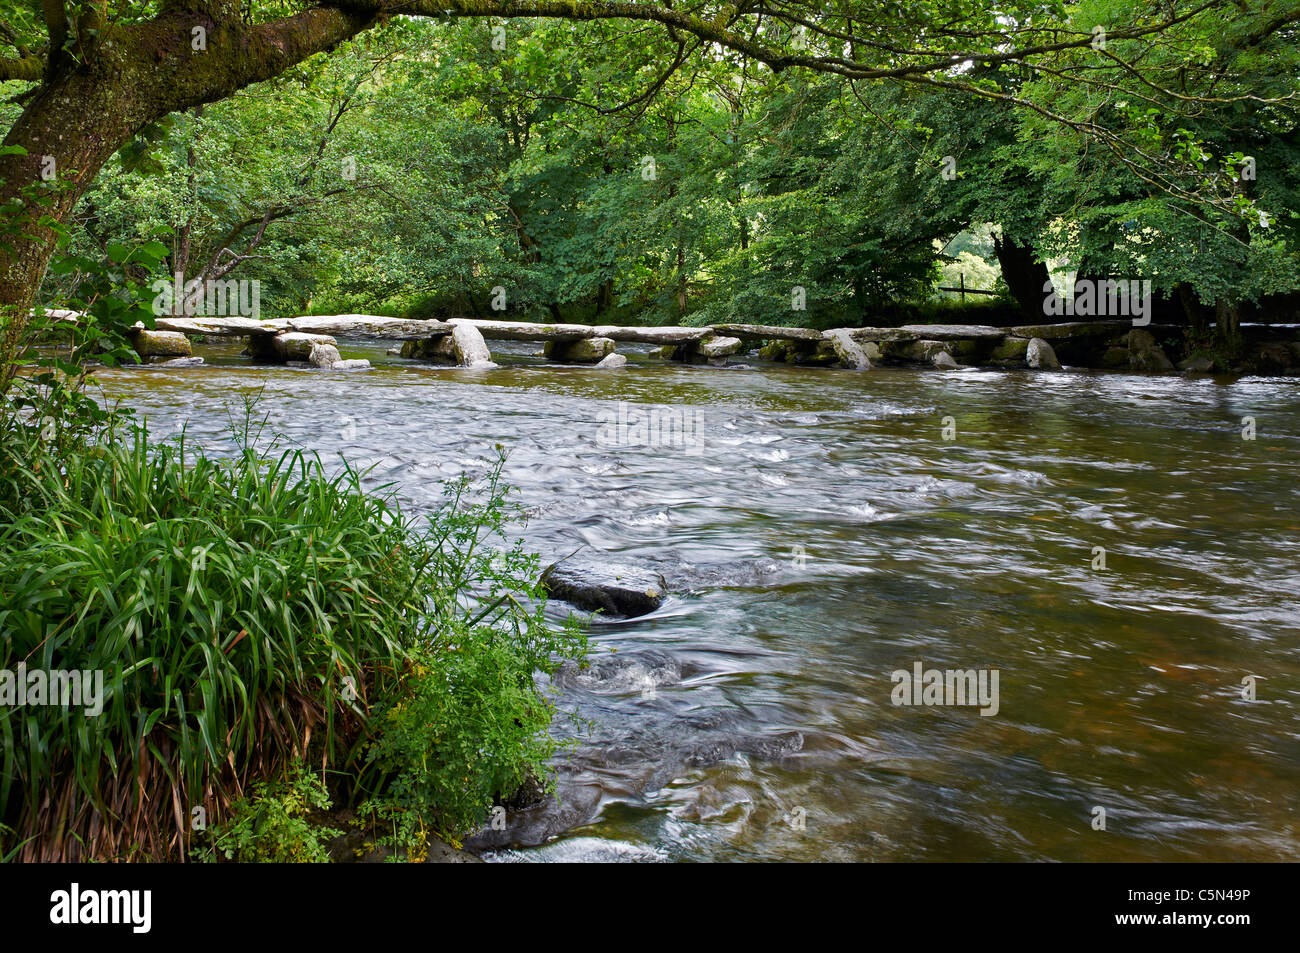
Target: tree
103 72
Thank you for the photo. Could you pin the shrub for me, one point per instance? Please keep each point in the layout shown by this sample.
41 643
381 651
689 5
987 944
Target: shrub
244 613
273 826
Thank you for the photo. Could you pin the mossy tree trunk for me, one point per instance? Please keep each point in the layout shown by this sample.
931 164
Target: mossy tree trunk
121 79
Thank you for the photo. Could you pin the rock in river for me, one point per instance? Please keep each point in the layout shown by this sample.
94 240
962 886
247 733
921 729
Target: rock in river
160 343
1040 356
604 587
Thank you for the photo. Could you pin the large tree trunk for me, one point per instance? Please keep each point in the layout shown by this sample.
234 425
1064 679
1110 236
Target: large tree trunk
132 76
1024 274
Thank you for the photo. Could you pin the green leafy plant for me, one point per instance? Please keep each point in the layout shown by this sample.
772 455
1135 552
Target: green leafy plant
244 611
274 825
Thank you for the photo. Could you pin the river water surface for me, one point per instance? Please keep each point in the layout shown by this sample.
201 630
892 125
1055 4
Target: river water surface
822 534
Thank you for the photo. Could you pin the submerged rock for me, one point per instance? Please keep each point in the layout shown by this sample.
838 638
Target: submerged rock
610 588
1197 365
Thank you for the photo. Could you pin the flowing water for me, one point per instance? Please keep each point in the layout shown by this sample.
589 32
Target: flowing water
823 532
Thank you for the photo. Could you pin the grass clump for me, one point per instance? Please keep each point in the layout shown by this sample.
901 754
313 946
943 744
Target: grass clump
250 615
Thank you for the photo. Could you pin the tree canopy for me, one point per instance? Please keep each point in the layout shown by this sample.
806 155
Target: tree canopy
677 162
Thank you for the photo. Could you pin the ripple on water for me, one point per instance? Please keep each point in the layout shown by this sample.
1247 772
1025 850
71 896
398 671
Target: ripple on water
824 535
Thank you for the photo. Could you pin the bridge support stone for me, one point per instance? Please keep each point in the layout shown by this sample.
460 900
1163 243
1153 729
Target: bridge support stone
469 347
581 351
713 347
160 344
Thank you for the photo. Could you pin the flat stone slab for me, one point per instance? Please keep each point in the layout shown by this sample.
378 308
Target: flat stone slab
767 332
879 335
600 586
663 335
525 330
951 332
367 325
1070 329
219 327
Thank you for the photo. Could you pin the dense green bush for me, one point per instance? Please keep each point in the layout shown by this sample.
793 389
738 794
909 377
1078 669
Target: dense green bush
246 614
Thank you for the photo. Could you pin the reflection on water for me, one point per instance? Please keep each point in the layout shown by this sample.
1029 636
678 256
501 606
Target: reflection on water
827 534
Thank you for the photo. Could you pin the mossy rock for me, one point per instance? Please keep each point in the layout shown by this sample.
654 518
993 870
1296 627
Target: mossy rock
161 344
1010 351
1115 357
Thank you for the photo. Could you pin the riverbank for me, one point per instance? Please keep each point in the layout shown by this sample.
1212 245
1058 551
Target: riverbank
191 633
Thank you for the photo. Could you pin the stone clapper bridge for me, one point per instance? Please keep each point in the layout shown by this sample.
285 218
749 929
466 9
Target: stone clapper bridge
312 341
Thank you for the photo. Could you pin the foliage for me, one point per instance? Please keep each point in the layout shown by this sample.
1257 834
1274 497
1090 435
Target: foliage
272 824
521 168
239 610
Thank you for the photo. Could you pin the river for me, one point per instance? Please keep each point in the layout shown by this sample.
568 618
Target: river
825 532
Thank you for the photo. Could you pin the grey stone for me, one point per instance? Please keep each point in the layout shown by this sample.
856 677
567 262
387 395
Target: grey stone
1115 357
160 343
1197 365
1040 356
1144 354
953 332
470 348
1010 351
599 586
584 351
1068 329
440 350
718 346
850 352
611 361
323 355
297 345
